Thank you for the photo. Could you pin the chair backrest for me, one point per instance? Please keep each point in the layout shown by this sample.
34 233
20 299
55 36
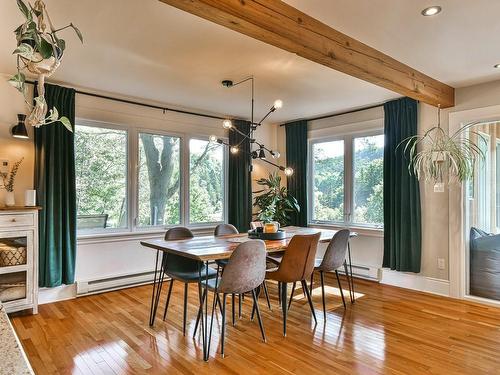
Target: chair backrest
177 263
178 233
336 251
246 268
225 229
298 261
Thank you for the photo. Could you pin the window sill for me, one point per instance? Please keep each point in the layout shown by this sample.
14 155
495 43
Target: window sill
362 231
90 238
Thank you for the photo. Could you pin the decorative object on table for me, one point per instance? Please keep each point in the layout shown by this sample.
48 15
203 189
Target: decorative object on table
274 202
39 51
261 151
30 198
437 156
8 183
19 130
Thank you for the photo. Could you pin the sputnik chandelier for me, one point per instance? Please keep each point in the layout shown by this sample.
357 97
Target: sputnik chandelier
257 149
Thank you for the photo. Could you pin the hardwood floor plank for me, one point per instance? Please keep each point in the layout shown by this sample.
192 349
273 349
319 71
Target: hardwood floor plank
387 331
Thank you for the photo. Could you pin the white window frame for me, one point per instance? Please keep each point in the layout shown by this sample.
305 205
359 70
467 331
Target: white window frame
132 188
348 139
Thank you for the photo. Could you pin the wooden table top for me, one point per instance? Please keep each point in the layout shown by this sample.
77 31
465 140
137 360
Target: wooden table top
208 248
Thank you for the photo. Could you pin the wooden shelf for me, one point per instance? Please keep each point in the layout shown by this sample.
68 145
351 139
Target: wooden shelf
20 208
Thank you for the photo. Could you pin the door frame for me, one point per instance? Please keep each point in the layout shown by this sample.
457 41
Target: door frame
457 206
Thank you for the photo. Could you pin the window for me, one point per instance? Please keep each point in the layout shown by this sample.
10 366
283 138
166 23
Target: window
484 183
328 181
346 180
206 182
368 178
159 180
129 180
101 177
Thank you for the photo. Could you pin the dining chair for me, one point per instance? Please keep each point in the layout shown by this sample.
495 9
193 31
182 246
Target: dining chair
333 259
244 273
225 230
182 269
296 265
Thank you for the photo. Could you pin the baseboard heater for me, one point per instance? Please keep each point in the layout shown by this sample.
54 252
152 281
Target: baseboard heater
364 272
113 283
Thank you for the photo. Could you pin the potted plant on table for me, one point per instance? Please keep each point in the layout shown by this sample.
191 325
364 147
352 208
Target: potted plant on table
39 51
8 183
274 203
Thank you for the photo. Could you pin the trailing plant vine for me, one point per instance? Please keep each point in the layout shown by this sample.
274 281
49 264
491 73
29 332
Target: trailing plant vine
39 51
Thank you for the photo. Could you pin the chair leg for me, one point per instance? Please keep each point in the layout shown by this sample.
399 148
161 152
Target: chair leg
233 299
312 282
323 293
291 295
168 298
279 293
256 302
340 287
254 307
346 270
266 292
284 305
239 306
224 296
309 299
203 296
185 309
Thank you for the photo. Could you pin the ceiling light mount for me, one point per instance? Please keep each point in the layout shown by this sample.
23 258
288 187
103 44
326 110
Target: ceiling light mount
431 11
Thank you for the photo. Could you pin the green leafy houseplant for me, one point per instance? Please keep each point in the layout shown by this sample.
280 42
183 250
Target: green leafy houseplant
274 201
39 51
436 155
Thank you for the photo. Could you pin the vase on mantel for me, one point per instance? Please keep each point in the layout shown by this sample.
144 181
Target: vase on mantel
10 199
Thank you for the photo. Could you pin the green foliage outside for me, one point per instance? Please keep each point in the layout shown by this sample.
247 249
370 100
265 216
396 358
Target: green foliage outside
368 181
101 168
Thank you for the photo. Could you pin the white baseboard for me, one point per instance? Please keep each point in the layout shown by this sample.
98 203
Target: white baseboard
415 282
60 293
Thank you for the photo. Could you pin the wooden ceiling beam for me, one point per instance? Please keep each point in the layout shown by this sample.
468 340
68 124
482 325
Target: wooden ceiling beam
283 26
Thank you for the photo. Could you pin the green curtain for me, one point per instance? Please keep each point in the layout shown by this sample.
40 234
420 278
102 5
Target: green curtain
56 192
402 226
240 180
296 158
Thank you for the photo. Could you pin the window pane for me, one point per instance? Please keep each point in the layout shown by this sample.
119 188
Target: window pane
368 178
101 177
328 181
206 182
159 193
484 184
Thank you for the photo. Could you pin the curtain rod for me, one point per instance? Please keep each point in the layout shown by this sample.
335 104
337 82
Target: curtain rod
164 109
342 113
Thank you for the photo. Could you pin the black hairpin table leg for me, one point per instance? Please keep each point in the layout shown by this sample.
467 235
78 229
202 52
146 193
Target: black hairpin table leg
155 296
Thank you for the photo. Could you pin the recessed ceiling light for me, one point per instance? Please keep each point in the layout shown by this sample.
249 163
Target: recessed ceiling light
496 66
431 11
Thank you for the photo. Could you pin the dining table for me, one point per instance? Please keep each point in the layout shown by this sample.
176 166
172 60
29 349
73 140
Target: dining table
208 249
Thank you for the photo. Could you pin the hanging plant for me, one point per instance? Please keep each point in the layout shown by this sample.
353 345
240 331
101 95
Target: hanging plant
436 155
39 51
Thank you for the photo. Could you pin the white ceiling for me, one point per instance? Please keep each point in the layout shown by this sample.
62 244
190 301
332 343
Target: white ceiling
146 49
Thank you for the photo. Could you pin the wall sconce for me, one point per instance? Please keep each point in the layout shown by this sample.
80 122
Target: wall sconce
19 130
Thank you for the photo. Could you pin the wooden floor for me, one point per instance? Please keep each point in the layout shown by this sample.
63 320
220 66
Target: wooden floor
388 330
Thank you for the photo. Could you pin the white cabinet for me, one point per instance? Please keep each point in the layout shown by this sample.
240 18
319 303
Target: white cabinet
19 259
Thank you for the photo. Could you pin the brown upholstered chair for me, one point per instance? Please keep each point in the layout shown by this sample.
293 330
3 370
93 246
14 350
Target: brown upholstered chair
244 273
182 269
333 259
297 265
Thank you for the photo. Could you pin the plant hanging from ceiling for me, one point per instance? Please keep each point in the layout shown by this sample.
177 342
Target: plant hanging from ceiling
39 51
437 156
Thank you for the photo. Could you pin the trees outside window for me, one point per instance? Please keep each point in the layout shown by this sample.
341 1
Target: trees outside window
106 174
101 176
346 180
